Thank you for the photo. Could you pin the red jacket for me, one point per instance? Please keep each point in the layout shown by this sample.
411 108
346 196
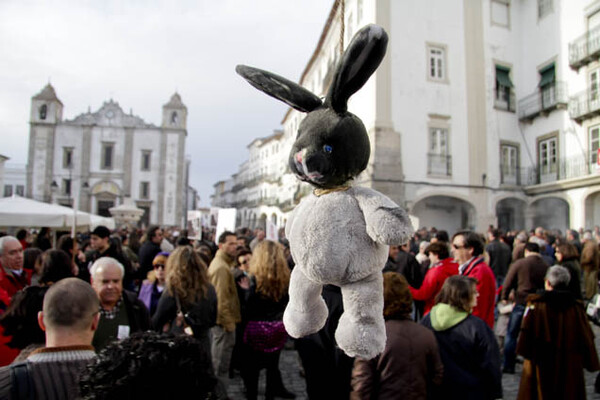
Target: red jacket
432 284
486 286
13 283
7 354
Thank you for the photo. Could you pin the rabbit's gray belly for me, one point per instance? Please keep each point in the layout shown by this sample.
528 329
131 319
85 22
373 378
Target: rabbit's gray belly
329 241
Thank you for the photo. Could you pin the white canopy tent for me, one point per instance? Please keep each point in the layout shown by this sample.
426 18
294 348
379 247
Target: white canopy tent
105 221
19 211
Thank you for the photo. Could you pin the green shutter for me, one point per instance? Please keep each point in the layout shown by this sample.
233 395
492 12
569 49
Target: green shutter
548 76
502 76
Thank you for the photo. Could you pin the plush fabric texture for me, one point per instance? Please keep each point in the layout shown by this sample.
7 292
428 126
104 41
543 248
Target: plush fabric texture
341 238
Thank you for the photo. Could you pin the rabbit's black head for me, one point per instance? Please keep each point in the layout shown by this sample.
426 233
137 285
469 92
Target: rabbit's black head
332 145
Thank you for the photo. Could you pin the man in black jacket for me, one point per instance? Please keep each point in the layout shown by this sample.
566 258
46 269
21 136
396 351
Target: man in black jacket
407 265
150 248
121 313
500 256
100 241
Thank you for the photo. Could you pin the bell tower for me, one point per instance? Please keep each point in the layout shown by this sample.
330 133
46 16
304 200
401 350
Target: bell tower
46 114
46 108
174 114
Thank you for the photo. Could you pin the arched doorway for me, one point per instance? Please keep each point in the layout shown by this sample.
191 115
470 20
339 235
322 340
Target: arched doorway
262 222
592 210
550 213
445 213
274 219
511 214
104 196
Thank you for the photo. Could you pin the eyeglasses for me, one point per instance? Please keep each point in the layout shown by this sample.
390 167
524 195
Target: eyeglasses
159 266
244 262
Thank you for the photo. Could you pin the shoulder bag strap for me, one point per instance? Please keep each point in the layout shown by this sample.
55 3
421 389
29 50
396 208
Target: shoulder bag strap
21 383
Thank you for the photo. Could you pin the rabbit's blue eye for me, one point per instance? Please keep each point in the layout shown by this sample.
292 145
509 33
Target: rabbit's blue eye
327 148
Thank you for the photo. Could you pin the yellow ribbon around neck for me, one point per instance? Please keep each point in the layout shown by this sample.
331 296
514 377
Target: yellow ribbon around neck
320 192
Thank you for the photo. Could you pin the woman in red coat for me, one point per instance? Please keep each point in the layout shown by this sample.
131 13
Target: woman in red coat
442 266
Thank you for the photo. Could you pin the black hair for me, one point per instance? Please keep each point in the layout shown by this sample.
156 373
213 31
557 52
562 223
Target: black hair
472 241
56 265
21 234
442 236
30 256
141 365
65 243
223 236
532 247
438 248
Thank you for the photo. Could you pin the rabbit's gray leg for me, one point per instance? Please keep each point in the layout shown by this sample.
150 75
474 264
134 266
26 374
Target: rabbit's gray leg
306 311
361 330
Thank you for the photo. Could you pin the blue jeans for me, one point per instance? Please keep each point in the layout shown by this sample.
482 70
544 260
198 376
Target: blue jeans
512 334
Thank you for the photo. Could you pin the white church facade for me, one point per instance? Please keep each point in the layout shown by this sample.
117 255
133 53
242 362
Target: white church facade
97 159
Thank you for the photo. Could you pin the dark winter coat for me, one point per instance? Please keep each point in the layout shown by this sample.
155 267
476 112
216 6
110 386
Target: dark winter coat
138 318
500 257
557 343
408 368
203 313
471 359
326 366
575 271
148 251
407 265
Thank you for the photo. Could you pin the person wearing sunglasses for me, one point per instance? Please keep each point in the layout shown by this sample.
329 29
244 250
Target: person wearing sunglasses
153 287
467 249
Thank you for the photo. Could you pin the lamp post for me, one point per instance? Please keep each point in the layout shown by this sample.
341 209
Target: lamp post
72 200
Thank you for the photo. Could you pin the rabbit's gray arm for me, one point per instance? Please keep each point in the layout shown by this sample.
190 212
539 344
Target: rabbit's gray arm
386 222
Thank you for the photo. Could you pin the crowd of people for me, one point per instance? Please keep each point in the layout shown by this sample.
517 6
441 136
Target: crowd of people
153 314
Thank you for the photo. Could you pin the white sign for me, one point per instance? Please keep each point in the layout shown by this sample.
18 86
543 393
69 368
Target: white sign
271 233
226 221
194 224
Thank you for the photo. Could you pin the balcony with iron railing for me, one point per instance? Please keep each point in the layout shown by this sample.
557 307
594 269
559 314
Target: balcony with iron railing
270 178
584 49
584 105
506 103
565 168
262 201
543 101
439 165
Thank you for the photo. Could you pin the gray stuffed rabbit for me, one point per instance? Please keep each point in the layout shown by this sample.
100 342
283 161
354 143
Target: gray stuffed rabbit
339 234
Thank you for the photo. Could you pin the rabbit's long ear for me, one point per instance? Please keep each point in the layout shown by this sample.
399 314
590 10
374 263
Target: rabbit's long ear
282 89
360 60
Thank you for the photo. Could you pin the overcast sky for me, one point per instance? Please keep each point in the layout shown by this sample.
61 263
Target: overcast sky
139 52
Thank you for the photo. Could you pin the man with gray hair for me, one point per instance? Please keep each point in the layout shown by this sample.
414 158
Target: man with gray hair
121 313
12 276
69 318
556 341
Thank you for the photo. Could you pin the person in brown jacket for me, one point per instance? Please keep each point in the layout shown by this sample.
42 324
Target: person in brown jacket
590 263
411 361
556 341
228 304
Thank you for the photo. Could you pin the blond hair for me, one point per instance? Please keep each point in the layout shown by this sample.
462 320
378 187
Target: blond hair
187 276
270 269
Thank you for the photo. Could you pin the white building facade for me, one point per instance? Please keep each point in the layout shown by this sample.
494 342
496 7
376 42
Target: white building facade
15 179
97 159
481 113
